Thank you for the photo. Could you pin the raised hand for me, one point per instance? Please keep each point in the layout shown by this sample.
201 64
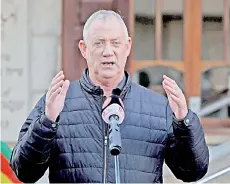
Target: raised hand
55 96
176 97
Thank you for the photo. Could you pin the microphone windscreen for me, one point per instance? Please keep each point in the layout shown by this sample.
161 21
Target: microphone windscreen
112 100
106 103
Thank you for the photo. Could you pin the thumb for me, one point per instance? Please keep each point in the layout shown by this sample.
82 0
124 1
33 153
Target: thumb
65 87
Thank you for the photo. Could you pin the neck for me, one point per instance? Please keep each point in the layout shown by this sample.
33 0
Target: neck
107 84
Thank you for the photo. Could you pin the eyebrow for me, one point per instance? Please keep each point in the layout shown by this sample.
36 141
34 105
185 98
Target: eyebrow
102 39
117 38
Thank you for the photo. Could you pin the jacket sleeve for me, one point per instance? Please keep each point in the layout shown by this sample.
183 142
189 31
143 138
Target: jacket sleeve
187 154
30 156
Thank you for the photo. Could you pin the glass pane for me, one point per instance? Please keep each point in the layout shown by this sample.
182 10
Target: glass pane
152 78
144 30
213 30
215 88
172 30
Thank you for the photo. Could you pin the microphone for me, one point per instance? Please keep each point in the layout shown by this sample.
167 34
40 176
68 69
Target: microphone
113 114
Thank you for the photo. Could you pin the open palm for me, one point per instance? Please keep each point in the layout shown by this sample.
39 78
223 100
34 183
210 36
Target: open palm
176 97
55 96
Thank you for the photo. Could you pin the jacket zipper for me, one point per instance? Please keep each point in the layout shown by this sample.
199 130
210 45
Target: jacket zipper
105 160
105 144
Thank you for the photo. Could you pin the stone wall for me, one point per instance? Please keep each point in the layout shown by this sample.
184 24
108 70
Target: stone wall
30 58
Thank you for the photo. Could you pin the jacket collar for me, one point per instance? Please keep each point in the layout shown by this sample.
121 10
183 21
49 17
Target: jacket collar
91 88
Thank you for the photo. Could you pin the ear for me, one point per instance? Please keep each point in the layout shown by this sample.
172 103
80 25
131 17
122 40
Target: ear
129 46
82 47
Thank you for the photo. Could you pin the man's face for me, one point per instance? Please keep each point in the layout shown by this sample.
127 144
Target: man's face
106 49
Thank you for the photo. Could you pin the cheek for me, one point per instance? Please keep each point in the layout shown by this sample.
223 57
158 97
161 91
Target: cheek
89 55
93 58
121 56
95 53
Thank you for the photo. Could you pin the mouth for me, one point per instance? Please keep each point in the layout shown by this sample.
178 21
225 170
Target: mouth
108 63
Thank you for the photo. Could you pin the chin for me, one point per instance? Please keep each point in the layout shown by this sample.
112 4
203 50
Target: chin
108 74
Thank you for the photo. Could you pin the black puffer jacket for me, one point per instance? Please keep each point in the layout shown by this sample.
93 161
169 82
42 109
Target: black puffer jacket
74 150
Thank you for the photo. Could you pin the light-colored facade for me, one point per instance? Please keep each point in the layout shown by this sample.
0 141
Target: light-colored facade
30 57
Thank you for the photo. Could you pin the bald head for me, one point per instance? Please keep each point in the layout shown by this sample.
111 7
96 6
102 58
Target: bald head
103 15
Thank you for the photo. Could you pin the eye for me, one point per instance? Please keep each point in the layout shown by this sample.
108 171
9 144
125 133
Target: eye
98 43
115 42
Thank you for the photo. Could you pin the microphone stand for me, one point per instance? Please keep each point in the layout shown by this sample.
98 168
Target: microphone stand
117 171
115 143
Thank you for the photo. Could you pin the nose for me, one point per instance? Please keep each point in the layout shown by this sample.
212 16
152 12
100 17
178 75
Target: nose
108 51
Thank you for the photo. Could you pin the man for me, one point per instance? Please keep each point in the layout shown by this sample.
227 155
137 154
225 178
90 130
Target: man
65 131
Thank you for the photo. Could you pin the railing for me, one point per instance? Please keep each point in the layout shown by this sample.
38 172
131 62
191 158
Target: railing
214 106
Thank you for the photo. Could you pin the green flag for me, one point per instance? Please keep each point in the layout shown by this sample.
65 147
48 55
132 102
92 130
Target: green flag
5 150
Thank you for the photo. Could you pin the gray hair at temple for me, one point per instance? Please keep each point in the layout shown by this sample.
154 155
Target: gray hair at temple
103 14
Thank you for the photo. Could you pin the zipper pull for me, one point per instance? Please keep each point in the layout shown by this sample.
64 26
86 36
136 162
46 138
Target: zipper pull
106 140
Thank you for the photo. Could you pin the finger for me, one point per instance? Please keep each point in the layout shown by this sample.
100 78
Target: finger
55 81
172 91
58 74
170 84
169 79
56 86
164 86
54 94
167 92
65 87
51 84
176 99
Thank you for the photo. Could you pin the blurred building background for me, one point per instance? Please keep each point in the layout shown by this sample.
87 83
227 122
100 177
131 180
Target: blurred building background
188 40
